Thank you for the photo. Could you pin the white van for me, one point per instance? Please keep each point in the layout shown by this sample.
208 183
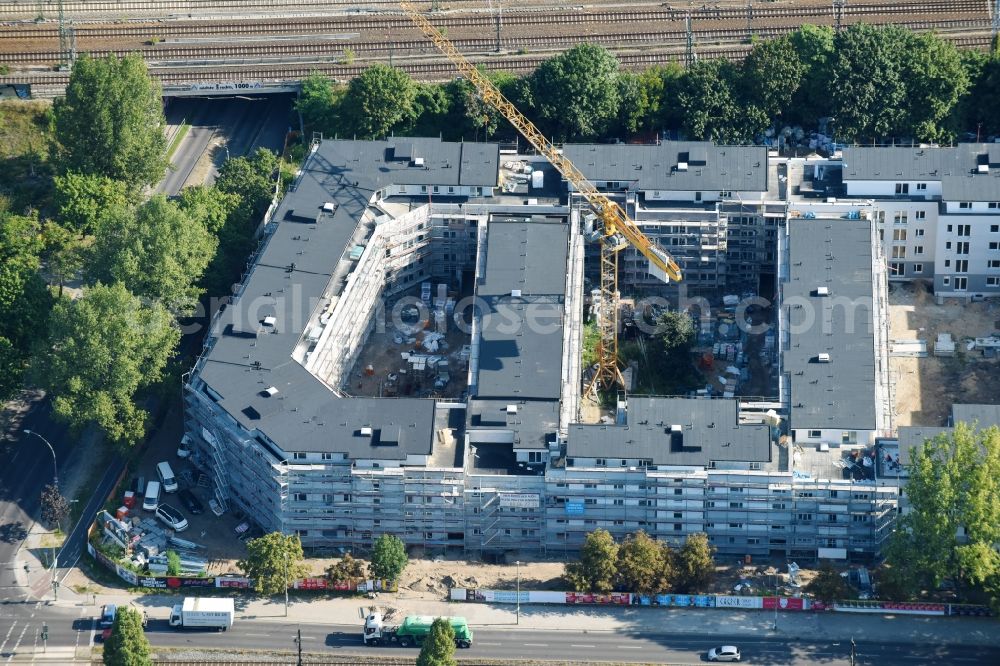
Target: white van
166 477
151 499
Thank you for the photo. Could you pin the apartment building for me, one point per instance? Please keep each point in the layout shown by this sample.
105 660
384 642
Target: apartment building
509 465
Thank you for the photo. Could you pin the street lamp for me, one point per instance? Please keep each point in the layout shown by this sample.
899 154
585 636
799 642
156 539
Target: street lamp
55 468
286 582
518 620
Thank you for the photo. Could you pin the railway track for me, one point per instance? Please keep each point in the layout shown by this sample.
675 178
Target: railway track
393 21
428 71
478 45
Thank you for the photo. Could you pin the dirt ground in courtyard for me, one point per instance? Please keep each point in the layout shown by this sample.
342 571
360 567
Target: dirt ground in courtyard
925 388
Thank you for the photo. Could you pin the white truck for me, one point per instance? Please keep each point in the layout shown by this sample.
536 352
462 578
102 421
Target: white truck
203 613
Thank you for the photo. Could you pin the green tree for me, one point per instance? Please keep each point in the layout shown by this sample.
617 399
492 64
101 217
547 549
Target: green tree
156 250
695 563
828 585
936 80
55 507
105 347
173 563
576 94
317 102
208 205
110 123
675 331
377 102
252 179
127 645
24 298
431 105
953 521
711 109
82 200
983 98
63 253
665 111
815 49
346 569
638 94
770 76
597 569
645 565
274 561
388 558
438 648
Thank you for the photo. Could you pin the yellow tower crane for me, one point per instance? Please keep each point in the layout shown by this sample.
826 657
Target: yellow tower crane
617 228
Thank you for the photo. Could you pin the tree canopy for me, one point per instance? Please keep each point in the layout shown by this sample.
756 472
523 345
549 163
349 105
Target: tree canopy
156 250
274 561
105 346
576 93
127 645
346 569
828 585
379 100
83 200
597 569
438 648
645 565
388 558
110 123
952 522
695 563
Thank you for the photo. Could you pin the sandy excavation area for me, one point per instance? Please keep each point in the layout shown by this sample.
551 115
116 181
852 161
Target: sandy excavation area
925 388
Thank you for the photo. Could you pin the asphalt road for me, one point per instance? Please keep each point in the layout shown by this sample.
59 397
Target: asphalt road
25 467
585 647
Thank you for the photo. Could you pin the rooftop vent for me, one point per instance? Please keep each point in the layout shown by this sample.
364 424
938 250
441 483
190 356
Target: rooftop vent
366 431
512 409
823 358
515 293
682 166
983 168
418 161
329 207
270 391
269 320
822 291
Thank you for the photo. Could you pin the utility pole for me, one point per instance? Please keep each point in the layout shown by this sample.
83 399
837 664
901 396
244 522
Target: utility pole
838 14
689 56
518 620
750 20
853 650
298 641
286 582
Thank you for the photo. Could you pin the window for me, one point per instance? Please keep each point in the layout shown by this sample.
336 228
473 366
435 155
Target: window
619 502
735 526
993 263
994 245
920 233
961 283
697 196
778 506
327 456
436 189
965 205
848 437
962 247
994 228
300 497
815 434
918 268
899 217
993 282
601 462
725 194
423 188
946 281
947 263
804 517
961 265
895 269
298 456
736 505
921 186
677 527
949 228
899 234
994 204
899 252
919 249
902 188
755 465
920 214
624 463
534 456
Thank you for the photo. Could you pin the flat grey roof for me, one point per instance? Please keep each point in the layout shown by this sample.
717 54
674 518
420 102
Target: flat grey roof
534 423
710 167
911 437
709 431
957 167
835 254
983 415
292 273
521 337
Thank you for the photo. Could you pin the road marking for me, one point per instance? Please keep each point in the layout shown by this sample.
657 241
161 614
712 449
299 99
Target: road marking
485 643
582 646
309 638
630 647
260 635
7 637
536 644
13 650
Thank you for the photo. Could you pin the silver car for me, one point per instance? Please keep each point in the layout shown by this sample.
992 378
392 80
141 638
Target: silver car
174 519
724 653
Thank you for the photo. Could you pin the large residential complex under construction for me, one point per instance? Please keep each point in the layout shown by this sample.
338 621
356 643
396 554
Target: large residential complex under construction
404 354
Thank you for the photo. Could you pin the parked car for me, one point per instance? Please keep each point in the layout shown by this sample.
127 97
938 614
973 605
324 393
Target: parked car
173 518
190 502
724 653
184 450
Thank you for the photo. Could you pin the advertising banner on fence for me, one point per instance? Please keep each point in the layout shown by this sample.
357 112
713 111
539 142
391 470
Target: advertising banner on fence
127 575
678 600
612 598
902 607
237 582
324 584
785 603
725 601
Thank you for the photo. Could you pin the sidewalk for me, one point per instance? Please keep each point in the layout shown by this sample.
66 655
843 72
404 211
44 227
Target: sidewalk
807 625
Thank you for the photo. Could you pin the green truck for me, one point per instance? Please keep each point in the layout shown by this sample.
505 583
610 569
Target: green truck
412 630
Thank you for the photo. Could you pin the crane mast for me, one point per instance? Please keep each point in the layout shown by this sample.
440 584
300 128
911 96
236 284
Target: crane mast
618 229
